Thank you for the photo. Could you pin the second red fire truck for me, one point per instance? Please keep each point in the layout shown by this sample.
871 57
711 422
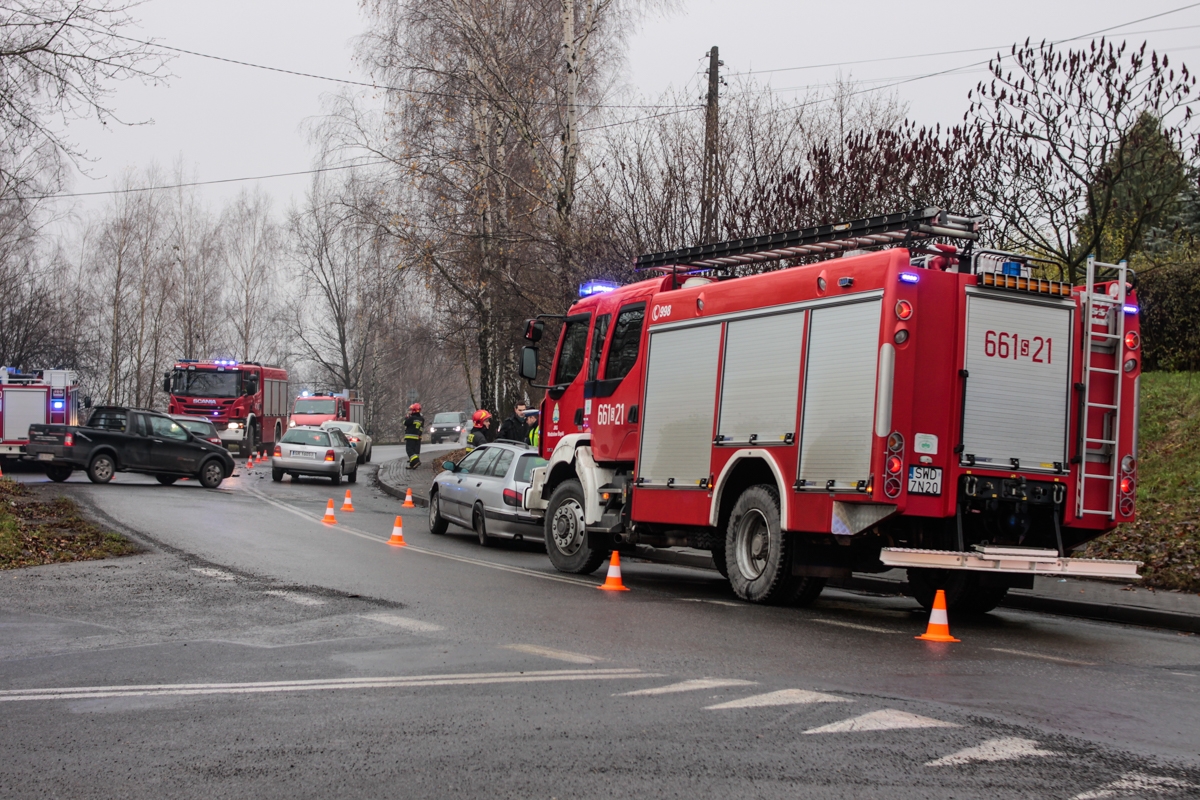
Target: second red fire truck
911 403
246 401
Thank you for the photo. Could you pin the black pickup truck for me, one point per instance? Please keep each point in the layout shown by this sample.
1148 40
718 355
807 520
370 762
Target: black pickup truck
117 439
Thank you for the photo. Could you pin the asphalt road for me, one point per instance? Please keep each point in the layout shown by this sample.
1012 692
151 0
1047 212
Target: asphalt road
254 652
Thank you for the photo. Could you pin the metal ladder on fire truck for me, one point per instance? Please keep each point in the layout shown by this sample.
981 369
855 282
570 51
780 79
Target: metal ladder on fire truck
1111 308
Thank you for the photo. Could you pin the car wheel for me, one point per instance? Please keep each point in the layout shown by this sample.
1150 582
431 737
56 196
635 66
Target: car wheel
294 476
58 474
336 478
479 525
353 476
367 460
166 480
102 469
437 523
277 475
756 549
211 474
565 535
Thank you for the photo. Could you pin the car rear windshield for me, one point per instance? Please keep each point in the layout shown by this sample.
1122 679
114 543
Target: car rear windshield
198 426
446 418
526 466
306 406
341 426
109 419
313 438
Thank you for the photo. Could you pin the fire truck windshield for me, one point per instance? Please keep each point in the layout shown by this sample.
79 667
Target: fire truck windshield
307 405
206 383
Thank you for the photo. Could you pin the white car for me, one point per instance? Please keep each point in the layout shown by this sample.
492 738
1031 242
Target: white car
357 436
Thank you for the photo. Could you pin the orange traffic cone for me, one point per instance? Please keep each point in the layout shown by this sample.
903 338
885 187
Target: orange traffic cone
346 504
939 623
329 518
250 462
613 582
408 503
397 539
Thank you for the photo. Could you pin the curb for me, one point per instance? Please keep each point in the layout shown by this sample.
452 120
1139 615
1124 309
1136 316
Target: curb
399 492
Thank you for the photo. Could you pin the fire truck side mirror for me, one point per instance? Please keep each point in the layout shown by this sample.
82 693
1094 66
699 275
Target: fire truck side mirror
87 401
529 363
167 383
533 330
252 385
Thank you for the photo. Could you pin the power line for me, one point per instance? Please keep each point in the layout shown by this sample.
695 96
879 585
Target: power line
135 190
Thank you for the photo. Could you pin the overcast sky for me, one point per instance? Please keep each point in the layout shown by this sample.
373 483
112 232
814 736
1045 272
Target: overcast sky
227 121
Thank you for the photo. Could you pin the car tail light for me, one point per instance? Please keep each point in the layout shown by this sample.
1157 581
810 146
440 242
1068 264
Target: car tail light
904 310
329 456
213 440
894 464
69 441
512 497
353 439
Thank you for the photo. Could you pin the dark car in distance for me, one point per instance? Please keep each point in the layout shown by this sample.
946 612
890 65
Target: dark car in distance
118 439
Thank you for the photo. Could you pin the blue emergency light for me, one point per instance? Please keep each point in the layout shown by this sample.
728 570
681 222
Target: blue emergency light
1012 268
57 405
909 277
1130 309
596 287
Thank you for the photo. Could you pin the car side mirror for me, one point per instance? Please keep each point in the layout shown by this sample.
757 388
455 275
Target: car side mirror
450 466
529 363
534 329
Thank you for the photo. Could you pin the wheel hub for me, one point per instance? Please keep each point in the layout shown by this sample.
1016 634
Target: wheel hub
752 544
567 526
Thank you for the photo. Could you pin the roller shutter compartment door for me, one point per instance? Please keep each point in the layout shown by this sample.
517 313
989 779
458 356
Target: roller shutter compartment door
761 380
22 408
1018 386
677 418
839 395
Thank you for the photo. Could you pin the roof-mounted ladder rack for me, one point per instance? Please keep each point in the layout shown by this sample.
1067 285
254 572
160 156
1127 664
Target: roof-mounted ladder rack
889 230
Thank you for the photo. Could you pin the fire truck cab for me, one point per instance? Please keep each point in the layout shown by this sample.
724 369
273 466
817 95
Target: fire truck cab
41 397
909 403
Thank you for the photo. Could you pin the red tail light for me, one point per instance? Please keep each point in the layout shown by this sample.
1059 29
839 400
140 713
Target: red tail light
69 441
278 451
214 440
894 464
1132 340
904 310
512 497
353 439
329 455
1126 485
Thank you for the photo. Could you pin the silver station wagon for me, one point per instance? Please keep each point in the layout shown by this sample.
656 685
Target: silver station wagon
485 492
306 450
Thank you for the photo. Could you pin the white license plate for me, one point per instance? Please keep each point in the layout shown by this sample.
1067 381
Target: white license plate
302 454
45 456
925 480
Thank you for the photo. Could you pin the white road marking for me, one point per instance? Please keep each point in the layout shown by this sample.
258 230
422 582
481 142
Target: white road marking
1007 749
886 720
220 575
270 687
854 625
411 625
295 597
1133 783
783 697
558 655
713 602
1043 656
343 528
689 686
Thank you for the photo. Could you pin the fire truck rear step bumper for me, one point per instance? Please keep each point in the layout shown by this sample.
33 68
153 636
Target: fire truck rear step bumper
1033 560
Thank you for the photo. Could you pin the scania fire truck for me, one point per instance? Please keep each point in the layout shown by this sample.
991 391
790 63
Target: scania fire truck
41 397
911 399
247 401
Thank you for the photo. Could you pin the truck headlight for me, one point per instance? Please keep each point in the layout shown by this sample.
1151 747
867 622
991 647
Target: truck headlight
233 426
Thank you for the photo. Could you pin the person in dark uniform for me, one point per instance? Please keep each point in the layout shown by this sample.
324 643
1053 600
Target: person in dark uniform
515 428
479 434
414 426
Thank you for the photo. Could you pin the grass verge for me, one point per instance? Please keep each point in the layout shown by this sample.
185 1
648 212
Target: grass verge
1166 535
34 531
454 455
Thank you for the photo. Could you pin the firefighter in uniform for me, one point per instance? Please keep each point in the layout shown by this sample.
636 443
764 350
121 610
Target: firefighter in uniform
533 419
479 433
414 425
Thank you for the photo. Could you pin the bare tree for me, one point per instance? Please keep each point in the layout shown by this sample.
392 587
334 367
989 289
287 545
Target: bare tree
251 252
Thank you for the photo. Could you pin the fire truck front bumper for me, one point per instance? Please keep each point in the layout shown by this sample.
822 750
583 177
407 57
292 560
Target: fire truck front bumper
1018 560
232 438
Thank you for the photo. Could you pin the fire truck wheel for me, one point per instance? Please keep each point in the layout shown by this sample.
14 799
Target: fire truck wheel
165 480
211 474
102 469
437 523
756 549
277 475
964 594
718 557
58 474
565 533
805 590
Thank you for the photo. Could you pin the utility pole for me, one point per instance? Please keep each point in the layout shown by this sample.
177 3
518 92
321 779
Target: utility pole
711 172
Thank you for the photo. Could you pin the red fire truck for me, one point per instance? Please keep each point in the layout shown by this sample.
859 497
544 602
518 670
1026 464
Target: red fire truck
917 402
314 409
247 401
42 397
